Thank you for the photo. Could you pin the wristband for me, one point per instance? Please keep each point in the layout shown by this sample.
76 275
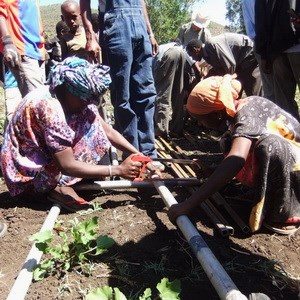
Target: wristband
151 35
109 170
6 40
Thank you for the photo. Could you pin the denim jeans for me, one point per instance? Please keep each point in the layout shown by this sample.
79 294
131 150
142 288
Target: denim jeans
130 56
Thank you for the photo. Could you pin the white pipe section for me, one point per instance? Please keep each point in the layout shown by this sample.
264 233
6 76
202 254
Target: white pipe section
120 184
222 283
23 281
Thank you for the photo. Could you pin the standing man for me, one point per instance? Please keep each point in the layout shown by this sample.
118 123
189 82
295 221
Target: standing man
249 20
22 42
230 53
196 29
277 41
131 46
168 72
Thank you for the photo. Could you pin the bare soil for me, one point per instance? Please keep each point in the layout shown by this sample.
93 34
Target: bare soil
149 247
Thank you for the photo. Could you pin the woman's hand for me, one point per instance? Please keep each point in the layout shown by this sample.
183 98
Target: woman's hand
130 169
179 209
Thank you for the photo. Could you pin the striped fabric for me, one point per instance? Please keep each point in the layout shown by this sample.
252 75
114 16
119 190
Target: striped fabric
25 26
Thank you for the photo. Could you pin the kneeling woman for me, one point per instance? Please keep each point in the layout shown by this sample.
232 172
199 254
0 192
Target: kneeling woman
56 137
264 153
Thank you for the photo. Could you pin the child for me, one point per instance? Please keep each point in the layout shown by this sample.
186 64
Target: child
73 42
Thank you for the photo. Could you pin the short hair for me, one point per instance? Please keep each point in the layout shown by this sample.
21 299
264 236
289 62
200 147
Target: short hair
61 26
194 44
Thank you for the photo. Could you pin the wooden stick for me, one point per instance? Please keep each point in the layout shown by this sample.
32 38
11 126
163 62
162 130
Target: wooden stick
215 217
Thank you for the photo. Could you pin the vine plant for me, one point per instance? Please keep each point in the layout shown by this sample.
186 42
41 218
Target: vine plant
73 248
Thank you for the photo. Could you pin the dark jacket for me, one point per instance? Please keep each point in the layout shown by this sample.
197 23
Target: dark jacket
274 32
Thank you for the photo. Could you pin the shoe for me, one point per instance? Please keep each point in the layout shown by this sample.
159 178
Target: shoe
68 202
285 229
3 229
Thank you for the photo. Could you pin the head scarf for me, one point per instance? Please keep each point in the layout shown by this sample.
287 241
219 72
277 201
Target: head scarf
213 94
82 79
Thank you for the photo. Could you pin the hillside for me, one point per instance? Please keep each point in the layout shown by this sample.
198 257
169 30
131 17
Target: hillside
216 28
51 15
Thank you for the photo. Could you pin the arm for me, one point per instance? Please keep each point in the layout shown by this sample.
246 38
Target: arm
10 53
149 30
225 172
64 49
92 46
3 27
69 166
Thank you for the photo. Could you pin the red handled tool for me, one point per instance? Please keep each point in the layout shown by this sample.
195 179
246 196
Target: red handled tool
144 160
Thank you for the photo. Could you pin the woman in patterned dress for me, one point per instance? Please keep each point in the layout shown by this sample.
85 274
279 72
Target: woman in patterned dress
57 137
264 153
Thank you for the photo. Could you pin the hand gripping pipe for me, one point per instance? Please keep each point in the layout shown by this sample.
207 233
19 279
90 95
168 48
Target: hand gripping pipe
23 281
220 280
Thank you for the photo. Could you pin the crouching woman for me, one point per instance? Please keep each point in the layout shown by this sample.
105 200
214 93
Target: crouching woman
264 153
56 136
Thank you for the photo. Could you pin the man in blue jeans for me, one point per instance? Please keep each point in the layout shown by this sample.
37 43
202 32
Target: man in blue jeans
131 46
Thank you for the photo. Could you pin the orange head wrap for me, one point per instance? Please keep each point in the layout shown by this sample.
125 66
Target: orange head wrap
213 94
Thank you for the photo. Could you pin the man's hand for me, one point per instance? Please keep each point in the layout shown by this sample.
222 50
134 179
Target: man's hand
94 51
154 45
11 56
177 210
129 168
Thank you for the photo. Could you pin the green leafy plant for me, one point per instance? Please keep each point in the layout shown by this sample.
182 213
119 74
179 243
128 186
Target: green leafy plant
74 248
167 291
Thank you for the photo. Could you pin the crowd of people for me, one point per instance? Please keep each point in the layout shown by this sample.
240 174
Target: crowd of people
242 84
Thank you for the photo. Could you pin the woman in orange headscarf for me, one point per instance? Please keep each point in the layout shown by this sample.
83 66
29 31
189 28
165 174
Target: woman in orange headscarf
264 153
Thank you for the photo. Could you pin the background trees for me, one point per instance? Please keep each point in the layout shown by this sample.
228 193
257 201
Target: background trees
166 17
234 16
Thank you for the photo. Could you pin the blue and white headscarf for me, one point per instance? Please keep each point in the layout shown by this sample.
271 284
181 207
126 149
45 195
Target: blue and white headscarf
82 79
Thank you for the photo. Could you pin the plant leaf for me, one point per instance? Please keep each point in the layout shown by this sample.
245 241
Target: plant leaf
42 237
103 293
147 294
104 242
119 295
169 290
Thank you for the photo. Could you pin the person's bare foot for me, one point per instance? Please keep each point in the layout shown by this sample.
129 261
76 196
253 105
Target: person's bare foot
67 190
66 197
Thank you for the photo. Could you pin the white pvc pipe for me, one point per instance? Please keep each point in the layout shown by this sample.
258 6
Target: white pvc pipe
222 283
120 184
23 281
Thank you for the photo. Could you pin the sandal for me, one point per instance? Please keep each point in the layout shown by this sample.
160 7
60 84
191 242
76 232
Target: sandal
68 202
285 229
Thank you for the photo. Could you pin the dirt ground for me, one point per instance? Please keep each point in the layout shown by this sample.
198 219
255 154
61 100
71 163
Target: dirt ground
148 248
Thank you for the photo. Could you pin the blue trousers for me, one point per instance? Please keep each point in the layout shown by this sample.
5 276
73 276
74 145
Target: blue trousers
132 91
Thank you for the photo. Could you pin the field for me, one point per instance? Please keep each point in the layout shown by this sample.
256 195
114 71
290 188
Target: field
148 247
